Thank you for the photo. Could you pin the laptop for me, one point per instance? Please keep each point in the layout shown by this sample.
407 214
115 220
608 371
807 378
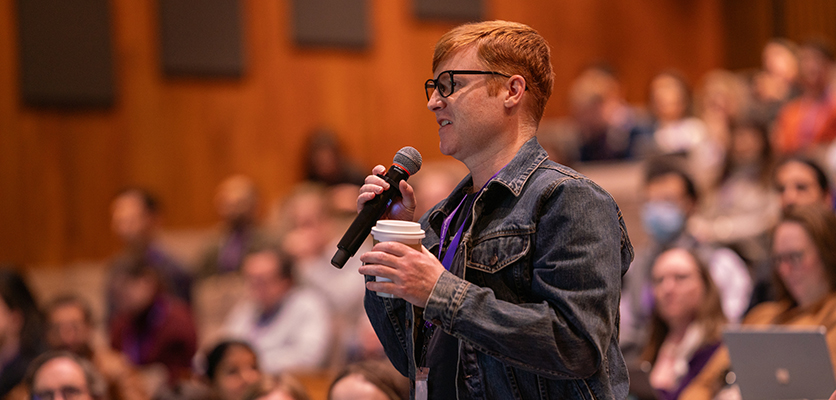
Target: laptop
780 362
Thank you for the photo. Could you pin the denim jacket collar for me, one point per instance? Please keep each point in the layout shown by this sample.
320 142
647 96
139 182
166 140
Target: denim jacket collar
513 177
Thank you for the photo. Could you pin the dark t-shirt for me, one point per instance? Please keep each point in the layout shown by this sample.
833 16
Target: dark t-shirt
442 353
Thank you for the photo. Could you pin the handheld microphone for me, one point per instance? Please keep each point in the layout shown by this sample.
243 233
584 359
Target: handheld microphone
407 162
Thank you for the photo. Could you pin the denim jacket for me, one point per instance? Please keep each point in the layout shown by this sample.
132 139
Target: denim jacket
536 314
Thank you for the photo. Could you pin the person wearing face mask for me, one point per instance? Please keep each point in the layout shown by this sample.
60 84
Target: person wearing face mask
670 199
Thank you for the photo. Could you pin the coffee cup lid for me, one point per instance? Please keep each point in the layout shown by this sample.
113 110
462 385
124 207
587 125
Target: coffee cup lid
407 229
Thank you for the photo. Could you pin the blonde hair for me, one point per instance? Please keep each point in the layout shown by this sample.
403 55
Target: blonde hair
507 47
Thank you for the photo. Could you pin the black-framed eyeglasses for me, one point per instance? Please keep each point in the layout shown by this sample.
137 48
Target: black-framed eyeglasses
67 393
793 258
446 85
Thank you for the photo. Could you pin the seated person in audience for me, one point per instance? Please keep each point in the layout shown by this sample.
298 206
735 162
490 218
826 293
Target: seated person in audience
805 268
800 181
309 229
64 374
325 161
288 325
21 329
237 202
687 321
70 327
603 121
231 367
722 97
280 387
809 121
741 207
135 219
152 327
372 380
670 198
777 81
675 129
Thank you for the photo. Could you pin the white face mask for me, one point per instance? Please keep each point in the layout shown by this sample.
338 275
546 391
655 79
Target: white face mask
663 220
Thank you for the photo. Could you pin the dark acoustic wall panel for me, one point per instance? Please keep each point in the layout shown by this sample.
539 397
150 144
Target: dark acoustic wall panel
201 37
66 57
450 10
331 23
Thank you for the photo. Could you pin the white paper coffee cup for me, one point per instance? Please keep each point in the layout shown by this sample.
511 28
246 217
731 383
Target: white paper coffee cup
389 230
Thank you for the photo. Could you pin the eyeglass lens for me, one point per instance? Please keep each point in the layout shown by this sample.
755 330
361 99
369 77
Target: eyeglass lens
67 392
793 258
444 85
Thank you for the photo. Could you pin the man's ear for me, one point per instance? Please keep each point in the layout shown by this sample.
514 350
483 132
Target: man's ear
515 87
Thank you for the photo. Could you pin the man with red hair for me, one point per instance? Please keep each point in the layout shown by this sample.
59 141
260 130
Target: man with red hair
516 292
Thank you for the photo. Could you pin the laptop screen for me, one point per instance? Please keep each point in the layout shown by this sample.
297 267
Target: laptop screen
781 362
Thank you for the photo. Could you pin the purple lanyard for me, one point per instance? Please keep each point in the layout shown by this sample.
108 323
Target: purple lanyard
447 261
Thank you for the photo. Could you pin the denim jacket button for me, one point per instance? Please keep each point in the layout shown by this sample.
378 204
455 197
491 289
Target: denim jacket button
494 259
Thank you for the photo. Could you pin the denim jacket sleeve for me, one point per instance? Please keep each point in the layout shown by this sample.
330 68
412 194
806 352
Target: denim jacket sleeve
572 251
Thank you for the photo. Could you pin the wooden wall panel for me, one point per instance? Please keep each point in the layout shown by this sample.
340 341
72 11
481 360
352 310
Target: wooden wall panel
180 137
810 19
201 37
65 53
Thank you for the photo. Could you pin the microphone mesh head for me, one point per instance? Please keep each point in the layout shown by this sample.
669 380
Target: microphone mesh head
409 159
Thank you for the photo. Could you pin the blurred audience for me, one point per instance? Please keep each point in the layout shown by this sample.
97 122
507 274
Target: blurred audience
231 367
800 181
362 343
687 321
721 99
777 81
21 329
309 231
606 125
810 120
288 325
676 130
741 207
325 161
70 327
804 265
372 380
670 199
135 220
559 137
434 182
236 201
695 274
279 387
151 327
64 374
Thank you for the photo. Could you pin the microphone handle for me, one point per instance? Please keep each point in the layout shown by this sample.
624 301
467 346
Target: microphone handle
367 218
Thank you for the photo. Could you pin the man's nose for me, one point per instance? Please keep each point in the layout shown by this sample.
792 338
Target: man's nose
435 102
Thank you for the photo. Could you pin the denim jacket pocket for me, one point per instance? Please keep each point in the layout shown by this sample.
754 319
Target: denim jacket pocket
497 252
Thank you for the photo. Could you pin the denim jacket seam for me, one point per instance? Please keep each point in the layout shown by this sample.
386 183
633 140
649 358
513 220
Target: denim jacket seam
502 233
457 300
521 365
393 319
